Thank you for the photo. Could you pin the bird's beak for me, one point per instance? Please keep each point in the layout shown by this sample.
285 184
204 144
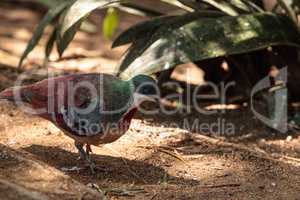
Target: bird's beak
139 98
152 99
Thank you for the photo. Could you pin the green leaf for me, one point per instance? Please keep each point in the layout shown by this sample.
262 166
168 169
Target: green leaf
135 9
209 38
136 50
147 29
254 6
48 18
64 42
140 30
194 4
80 9
142 41
178 4
110 23
51 3
49 47
240 4
48 3
50 44
223 6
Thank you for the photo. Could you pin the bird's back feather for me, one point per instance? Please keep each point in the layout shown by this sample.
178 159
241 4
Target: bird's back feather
63 100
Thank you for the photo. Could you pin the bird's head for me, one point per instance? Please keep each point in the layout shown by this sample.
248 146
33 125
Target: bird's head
145 89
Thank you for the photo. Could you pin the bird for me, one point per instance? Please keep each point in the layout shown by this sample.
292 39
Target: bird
92 108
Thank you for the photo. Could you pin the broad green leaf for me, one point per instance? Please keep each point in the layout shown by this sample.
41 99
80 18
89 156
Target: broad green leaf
178 4
254 6
240 4
80 9
194 4
50 44
49 47
48 18
63 42
146 29
136 50
223 6
135 9
142 41
140 30
110 23
48 3
227 7
209 38
51 3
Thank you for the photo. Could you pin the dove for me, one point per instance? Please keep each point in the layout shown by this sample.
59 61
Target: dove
92 109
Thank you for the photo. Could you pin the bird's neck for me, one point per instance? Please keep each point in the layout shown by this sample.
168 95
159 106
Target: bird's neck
129 115
125 122
138 99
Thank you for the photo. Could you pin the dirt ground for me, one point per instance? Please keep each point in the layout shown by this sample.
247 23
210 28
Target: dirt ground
153 160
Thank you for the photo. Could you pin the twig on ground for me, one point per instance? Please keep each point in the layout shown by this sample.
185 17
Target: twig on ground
153 197
167 150
129 192
222 185
259 153
291 158
173 154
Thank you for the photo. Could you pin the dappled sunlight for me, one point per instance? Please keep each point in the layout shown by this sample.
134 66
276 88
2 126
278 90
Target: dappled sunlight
223 107
189 73
194 135
36 176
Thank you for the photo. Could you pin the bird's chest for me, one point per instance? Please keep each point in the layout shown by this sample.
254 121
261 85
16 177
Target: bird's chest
104 132
115 132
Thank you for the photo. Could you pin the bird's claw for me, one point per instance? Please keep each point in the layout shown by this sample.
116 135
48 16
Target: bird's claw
85 155
91 165
71 169
95 169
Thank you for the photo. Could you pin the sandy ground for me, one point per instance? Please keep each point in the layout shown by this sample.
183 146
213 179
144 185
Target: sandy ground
153 160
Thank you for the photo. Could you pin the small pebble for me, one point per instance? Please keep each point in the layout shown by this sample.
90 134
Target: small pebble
289 138
273 184
48 133
261 187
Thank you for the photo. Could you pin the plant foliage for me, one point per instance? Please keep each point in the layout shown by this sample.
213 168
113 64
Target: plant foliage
202 29
243 27
195 40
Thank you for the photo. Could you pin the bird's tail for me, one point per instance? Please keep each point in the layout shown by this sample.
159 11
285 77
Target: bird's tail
9 94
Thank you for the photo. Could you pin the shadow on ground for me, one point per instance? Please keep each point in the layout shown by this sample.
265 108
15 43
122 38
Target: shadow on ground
115 169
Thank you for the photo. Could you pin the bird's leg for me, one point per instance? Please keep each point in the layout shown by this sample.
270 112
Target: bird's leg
89 158
85 155
81 151
88 150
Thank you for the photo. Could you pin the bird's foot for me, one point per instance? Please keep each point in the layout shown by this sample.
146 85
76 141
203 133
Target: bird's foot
95 168
85 155
82 155
71 169
88 149
91 165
